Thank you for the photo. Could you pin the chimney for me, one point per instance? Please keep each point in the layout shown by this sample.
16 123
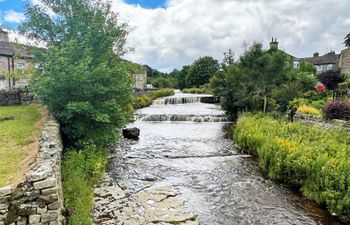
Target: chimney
4 36
316 54
274 44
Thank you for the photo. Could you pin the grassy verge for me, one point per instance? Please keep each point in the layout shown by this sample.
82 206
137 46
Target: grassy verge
18 140
80 172
315 160
146 100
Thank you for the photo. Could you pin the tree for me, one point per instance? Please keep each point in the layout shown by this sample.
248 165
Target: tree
201 71
83 83
347 40
181 77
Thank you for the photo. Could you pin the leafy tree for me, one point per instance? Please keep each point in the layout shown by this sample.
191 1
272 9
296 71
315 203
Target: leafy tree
181 77
347 40
201 71
83 83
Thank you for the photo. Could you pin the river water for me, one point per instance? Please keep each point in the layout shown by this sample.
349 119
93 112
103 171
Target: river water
183 152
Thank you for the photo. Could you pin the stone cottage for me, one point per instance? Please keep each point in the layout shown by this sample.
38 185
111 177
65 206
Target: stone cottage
14 56
328 62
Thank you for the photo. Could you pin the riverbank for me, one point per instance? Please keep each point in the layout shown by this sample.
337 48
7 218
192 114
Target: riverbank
307 157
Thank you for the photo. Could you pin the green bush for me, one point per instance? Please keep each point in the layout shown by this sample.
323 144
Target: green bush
146 100
315 160
80 172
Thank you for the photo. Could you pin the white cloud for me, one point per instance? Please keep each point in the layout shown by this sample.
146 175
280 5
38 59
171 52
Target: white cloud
14 17
187 29
167 38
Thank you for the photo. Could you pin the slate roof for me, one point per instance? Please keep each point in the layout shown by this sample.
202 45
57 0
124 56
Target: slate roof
6 49
329 58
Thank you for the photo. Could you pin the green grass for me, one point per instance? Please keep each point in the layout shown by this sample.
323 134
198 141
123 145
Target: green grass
80 172
194 91
146 100
310 158
18 140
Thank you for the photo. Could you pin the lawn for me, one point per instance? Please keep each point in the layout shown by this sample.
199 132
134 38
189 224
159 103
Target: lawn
18 140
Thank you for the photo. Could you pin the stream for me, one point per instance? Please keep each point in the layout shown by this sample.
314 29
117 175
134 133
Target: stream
183 170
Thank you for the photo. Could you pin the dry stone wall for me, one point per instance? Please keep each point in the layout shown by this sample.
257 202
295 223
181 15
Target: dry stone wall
15 97
39 199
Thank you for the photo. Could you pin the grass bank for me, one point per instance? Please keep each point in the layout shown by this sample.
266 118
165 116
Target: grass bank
315 160
80 172
20 128
146 100
195 91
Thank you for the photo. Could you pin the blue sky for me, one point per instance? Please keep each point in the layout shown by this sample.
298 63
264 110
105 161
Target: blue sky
16 6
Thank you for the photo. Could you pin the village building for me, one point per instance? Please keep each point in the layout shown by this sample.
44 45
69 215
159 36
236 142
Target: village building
328 62
140 81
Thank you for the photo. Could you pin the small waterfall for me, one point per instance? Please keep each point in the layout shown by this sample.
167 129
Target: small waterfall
181 118
177 100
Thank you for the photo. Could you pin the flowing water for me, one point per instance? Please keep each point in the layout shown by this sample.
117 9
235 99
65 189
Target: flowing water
183 149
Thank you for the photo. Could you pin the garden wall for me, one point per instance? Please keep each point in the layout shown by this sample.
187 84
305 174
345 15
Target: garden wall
321 122
39 199
15 97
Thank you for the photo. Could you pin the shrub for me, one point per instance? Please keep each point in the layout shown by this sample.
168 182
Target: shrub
308 109
337 110
315 160
331 79
80 172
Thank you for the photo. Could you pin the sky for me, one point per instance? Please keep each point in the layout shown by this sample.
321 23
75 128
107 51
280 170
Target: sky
168 34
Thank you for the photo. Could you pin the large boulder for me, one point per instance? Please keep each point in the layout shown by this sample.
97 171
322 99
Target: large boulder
131 133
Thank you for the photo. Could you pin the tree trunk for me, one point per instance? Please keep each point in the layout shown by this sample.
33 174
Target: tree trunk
265 103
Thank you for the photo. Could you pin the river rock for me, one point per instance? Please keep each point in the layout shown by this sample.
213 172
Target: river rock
131 133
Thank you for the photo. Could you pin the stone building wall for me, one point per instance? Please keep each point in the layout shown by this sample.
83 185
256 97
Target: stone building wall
15 97
39 199
345 61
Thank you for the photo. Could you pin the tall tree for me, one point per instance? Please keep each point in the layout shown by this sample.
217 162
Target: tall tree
201 71
82 82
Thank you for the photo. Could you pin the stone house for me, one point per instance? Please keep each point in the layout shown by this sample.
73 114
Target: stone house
328 62
139 81
14 57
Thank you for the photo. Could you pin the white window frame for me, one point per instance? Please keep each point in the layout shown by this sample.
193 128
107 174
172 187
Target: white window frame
296 64
330 67
319 68
20 66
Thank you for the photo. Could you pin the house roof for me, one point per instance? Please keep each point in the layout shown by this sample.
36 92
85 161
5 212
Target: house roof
6 49
329 58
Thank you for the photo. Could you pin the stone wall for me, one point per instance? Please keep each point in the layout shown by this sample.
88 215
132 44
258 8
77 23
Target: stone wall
345 61
15 97
319 121
38 200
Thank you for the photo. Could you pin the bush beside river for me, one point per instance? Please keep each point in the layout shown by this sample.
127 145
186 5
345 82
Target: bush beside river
307 157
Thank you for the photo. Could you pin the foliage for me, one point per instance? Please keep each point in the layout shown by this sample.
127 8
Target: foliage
166 81
83 83
331 79
16 139
146 100
81 170
308 109
194 91
286 93
337 109
347 40
303 156
201 71
181 77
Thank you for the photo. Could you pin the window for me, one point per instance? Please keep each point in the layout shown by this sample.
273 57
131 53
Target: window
329 67
20 66
37 66
296 64
318 68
